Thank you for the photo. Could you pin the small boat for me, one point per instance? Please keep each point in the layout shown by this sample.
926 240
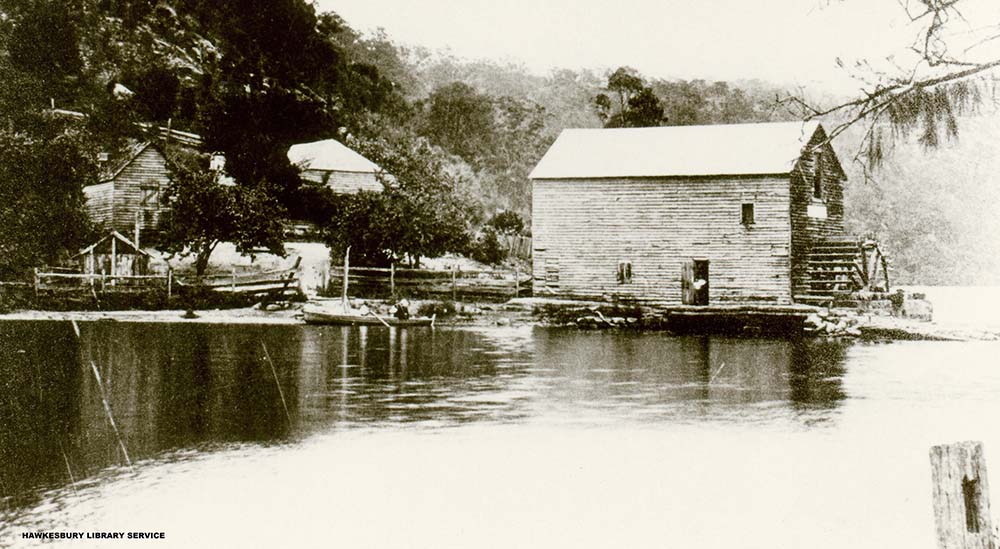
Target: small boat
345 315
359 318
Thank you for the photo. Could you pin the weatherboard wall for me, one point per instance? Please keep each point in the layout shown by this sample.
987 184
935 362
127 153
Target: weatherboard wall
137 192
344 182
808 230
584 228
100 201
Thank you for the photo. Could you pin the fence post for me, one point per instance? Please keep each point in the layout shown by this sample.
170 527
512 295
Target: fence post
517 274
170 281
392 280
233 282
454 288
961 496
36 282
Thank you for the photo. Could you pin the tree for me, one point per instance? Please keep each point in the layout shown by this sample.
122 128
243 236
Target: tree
202 213
422 211
951 68
507 223
42 174
637 106
460 120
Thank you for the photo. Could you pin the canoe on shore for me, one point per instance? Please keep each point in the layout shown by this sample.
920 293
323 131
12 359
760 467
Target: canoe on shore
313 316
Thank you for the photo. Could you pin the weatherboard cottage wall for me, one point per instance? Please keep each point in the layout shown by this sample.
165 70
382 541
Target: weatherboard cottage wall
583 229
133 191
137 191
344 182
336 166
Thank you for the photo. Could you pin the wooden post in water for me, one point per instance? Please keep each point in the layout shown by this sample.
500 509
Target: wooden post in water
517 274
961 496
232 283
392 280
170 281
36 282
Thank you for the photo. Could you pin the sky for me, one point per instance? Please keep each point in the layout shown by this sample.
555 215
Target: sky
781 41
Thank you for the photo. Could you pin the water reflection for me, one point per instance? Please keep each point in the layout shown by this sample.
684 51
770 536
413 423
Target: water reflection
690 378
201 387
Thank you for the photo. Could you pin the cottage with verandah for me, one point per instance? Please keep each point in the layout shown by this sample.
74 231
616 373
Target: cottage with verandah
692 214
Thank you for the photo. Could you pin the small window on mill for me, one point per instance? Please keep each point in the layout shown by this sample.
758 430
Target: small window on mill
746 214
625 272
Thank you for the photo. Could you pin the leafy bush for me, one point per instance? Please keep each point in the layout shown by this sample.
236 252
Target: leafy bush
42 206
487 248
507 222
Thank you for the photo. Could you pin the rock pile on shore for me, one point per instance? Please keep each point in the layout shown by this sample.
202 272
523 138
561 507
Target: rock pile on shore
823 322
600 321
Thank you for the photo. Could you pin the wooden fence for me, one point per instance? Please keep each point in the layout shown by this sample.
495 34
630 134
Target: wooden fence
282 282
453 283
517 246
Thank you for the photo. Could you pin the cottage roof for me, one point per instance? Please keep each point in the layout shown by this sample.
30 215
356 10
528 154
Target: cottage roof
719 150
330 155
166 136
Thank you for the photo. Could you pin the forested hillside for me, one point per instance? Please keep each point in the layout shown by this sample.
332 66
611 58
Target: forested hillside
936 211
255 78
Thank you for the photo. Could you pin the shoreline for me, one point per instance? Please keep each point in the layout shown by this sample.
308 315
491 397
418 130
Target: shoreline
869 327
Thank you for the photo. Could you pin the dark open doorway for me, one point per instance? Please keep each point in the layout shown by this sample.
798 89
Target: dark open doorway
694 282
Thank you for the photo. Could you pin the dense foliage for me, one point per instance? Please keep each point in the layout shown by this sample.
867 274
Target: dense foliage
204 213
422 211
42 174
634 104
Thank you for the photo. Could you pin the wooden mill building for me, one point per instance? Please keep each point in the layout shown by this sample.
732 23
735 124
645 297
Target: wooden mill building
690 214
331 163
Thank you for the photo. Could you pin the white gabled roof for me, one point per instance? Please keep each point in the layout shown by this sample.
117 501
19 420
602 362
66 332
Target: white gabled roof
729 149
330 155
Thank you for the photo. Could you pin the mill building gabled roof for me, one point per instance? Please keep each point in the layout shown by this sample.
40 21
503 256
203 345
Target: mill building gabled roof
678 151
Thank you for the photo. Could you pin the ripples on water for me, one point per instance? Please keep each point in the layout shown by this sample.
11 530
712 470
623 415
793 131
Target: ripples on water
200 411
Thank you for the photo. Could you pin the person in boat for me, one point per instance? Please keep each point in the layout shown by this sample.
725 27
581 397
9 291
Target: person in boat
402 309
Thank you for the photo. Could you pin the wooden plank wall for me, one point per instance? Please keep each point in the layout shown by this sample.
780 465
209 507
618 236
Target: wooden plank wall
344 182
583 229
100 200
149 169
807 230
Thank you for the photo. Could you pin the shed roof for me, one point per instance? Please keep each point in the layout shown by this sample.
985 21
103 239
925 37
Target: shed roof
330 155
129 249
725 149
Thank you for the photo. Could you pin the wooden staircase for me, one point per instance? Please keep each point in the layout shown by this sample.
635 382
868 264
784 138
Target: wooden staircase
839 267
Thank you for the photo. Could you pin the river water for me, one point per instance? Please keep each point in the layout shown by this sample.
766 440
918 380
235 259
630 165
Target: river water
303 436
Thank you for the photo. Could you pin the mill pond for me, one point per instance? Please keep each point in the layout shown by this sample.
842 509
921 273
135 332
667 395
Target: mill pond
303 436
